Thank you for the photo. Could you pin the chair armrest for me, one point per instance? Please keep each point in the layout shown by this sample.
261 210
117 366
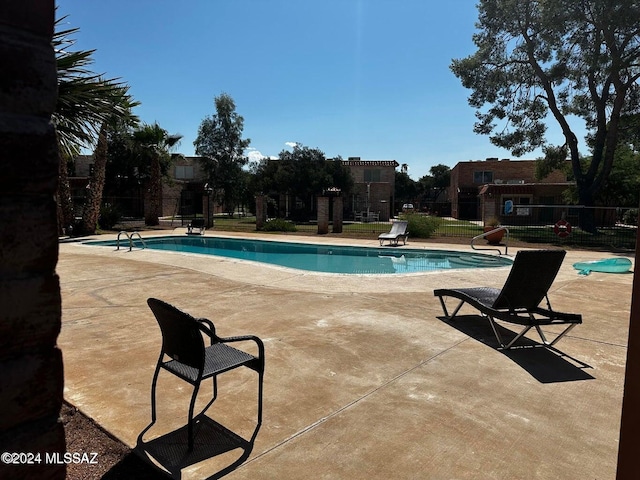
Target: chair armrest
207 327
244 338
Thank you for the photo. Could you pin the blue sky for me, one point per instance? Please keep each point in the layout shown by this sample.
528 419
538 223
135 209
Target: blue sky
363 78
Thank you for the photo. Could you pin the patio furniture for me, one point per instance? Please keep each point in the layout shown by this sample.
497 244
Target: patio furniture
398 231
196 223
518 301
185 355
372 217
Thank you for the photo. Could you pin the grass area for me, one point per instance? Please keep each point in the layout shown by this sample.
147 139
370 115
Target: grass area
458 228
235 223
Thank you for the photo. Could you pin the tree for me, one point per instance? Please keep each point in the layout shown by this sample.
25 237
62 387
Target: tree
123 173
622 188
152 146
221 146
630 132
85 102
303 173
122 116
406 189
432 185
623 185
441 178
567 59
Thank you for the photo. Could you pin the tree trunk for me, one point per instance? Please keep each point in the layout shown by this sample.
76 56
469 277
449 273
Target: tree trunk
586 217
155 188
93 200
65 203
31 363
584 184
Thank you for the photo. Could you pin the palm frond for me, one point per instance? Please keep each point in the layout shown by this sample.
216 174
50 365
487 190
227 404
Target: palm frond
86 100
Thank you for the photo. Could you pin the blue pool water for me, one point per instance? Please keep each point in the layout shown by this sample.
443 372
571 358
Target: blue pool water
322 258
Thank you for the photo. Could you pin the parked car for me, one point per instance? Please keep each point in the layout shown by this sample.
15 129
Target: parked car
407 207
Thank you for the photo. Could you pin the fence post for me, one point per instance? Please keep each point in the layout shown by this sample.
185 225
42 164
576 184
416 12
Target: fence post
323 215
261 212
207 209
385 215
338 214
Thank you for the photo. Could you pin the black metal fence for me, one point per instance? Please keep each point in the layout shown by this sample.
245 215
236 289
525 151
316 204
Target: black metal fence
613 228
610 227
570 225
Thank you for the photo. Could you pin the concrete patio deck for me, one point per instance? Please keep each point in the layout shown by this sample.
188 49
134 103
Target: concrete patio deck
362 378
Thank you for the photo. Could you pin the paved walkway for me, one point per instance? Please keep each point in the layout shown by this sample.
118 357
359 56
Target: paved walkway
362 379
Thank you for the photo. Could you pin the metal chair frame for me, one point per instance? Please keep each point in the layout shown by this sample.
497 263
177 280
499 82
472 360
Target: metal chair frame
190 360
518 302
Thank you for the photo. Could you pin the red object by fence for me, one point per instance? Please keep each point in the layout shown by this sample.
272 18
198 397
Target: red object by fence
562 228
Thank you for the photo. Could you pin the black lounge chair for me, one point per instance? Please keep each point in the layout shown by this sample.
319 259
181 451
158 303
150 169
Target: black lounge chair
398 231
193 362
196 223
518 301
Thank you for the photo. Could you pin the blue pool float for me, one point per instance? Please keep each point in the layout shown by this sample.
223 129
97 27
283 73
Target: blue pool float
608 265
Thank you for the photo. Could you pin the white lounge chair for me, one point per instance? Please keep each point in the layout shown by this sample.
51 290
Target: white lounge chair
398 231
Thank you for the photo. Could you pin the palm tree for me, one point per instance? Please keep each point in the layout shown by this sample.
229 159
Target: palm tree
153 145
123 118
86 101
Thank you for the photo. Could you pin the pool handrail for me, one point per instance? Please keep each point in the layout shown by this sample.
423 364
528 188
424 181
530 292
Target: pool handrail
486 234
130 238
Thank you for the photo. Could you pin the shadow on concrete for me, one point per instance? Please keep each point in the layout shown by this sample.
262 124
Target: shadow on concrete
545 364
132 466
222 449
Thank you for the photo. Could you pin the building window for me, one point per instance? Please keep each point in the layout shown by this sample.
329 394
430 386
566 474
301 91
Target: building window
184 172
482 177
371 175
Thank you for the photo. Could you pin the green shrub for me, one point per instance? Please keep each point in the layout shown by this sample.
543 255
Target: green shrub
421 226
109 216
279 225
630 217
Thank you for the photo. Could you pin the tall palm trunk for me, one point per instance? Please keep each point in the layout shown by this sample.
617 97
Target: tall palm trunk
152 144
93 200
65 203
155 192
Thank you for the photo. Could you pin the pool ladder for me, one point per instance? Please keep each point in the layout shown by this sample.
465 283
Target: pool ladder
130 238
486 234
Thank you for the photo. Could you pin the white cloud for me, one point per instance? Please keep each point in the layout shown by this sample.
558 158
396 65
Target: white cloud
255 155
291 144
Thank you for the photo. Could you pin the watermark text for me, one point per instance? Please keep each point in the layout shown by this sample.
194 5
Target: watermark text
49 458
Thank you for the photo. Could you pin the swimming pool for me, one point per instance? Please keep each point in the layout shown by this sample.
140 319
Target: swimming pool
321 258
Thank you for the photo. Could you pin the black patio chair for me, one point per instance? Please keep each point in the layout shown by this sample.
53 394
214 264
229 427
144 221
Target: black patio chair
185 355
196 223
518 301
